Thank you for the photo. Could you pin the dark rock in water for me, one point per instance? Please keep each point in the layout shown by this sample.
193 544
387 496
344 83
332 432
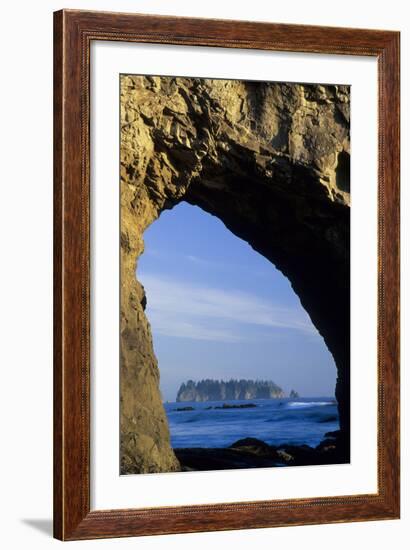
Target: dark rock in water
299 455
254 446
181 409
328 418
293 394
254 453
286 457
327 445
335 434
200 459
249 442
242 406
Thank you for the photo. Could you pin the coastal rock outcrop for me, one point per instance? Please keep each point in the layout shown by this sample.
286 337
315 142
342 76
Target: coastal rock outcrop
271 161
254 453
219 390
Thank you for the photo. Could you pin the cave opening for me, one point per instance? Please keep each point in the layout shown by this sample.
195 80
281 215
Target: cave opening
203 285
228 330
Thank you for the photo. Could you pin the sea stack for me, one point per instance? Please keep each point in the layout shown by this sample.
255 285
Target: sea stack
220 390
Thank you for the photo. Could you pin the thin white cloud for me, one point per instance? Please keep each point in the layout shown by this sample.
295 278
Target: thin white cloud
170 325
199 312
205 263
196 259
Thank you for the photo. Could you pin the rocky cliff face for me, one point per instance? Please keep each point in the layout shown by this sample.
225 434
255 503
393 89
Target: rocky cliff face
218 390
272 162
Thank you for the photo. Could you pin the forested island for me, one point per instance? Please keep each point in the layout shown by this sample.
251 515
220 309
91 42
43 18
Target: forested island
219 390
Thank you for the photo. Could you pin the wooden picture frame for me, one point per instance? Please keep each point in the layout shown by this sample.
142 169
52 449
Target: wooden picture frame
73 33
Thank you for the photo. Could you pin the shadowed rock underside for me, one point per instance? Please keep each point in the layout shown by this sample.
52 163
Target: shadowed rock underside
272 162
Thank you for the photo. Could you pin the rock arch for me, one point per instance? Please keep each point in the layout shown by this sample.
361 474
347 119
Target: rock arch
262 157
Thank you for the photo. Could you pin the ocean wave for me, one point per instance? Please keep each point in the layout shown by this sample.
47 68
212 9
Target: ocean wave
310 403
197 418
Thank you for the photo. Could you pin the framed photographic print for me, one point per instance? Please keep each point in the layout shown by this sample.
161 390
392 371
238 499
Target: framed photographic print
226 275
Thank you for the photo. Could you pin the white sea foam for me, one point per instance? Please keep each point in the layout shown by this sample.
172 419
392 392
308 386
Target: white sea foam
310 403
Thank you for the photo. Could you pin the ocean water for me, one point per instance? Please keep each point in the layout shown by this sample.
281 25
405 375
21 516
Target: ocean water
275 421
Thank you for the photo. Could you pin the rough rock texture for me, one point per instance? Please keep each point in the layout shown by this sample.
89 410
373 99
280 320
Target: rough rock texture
272 162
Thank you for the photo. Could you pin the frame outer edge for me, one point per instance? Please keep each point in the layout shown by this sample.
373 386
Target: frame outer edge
58 491
390 265
72 517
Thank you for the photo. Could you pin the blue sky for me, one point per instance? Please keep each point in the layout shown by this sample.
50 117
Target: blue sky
218 309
